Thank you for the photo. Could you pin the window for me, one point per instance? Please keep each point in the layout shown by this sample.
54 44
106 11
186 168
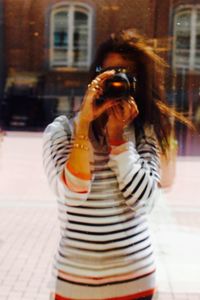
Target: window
186 50
70 44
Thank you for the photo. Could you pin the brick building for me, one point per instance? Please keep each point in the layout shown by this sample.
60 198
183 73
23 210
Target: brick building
43 62
50 45
1 51
184 58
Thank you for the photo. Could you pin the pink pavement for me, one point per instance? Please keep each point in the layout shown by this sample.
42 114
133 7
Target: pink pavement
29 230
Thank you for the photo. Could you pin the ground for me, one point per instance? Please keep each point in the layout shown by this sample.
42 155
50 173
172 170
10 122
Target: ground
29 229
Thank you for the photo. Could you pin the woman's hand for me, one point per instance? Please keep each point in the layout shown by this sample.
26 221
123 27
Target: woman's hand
89 110
119 116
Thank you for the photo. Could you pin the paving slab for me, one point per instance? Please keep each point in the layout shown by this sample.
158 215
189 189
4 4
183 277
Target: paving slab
29 230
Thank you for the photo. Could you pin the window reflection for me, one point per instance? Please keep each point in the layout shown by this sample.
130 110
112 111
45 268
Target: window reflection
46 55
71 37
187 38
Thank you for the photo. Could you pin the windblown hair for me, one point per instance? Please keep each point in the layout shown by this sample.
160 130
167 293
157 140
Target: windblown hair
150 89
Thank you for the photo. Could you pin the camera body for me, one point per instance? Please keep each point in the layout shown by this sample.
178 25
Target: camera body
121 85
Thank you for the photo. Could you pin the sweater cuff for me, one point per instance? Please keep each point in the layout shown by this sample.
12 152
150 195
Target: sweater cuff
115 150
75 183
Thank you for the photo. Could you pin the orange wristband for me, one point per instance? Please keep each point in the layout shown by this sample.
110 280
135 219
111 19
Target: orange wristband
78 174
117 142
71 186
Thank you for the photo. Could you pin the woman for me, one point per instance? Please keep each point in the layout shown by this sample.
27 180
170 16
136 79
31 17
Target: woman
104 169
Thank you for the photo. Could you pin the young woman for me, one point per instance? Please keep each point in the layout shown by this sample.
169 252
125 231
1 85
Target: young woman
104 168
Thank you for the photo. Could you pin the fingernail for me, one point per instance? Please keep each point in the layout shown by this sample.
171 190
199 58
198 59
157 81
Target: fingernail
111 71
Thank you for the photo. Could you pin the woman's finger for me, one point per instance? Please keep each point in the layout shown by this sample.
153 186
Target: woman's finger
98 82
103 76
105 106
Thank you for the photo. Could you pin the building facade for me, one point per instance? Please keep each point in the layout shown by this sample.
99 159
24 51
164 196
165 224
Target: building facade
184 27
2 67
49 46
49 49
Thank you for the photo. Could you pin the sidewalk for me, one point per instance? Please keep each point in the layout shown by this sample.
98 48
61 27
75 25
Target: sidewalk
29 229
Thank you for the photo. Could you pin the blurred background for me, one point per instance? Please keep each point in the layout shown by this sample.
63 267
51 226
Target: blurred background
46 47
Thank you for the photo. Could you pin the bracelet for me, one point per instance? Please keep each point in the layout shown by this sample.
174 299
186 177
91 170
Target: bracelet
82 137
80 146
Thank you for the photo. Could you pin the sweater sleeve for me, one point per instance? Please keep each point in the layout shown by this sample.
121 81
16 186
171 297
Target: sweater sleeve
137 170
57 145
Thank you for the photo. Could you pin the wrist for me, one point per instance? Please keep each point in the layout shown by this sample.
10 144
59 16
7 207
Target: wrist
82 127
115 137
117 141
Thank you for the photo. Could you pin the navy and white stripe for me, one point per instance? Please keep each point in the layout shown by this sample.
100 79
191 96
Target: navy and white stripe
105 238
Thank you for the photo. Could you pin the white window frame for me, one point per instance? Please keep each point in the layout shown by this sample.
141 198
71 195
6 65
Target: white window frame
192 9
71 8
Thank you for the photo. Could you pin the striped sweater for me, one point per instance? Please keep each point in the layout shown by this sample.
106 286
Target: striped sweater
105 249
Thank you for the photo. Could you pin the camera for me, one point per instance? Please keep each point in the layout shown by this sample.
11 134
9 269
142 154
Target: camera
121 85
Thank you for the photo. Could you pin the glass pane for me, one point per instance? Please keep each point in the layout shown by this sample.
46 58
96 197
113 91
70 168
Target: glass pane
198 17
60 29
46 48
182 34
183 42
80 56
183 21
198 41
198 31
182 58
60 56
60 39
197 50
80 37
197 60
80 18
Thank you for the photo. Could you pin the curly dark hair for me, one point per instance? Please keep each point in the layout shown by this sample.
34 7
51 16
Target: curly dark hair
150 89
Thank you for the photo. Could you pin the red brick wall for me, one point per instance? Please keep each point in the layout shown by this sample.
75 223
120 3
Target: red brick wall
27 27
124 14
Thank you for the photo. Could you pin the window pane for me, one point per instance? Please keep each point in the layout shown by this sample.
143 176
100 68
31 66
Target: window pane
80 18
183 42
60 56
198 17
60 38
197 52
60 29
182 30
80 38
197 60
182 58
198 31
183 21
80 57
198 40
182 34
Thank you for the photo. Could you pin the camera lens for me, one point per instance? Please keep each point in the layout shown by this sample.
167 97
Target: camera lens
121 85
117 86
